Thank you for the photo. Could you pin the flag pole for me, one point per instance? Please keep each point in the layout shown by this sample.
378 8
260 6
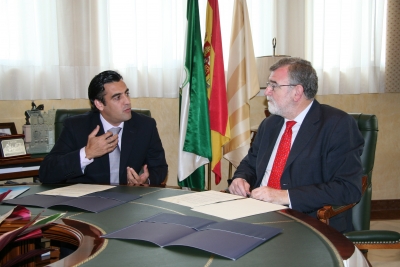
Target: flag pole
209 176
230 170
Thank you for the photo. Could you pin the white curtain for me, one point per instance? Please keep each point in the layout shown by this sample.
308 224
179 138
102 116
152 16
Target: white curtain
52 49
345 40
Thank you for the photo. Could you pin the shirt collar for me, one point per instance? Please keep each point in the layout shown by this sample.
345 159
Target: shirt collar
300 118
107 126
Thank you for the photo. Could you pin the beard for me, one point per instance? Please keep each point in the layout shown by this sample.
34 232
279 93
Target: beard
273 107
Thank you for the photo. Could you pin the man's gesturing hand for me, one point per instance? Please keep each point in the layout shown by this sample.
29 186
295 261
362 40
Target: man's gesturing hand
135 179
100 145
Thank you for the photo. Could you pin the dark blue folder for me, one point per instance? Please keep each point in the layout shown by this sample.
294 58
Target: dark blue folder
228 239
95 202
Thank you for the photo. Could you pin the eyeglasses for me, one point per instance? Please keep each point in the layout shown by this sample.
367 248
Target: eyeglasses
275 85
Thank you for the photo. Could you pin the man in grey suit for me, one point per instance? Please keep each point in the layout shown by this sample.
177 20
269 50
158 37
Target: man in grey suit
82 152
323 166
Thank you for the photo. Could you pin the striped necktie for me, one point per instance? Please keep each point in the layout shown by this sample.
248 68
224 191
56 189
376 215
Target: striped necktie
114 159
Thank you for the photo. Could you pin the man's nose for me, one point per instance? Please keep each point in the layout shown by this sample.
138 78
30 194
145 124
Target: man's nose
126 99
268 91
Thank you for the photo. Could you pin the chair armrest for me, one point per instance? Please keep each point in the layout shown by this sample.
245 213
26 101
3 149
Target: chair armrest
375 239
384 236
327 212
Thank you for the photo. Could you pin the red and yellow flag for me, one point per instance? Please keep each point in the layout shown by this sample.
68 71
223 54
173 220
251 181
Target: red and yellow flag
216 87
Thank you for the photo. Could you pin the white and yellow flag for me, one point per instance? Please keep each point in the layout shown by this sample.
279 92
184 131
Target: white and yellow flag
242 84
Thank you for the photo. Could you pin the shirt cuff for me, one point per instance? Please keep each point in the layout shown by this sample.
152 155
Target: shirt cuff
84 161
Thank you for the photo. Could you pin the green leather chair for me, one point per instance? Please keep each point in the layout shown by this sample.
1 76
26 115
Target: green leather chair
363 237
62 114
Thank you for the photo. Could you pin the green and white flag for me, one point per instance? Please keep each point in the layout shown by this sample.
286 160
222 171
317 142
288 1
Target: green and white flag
194 128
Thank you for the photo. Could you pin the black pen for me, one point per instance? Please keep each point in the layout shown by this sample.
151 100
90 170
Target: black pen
248 194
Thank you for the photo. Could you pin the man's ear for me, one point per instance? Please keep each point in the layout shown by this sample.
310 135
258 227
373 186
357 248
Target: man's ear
299 91
98 104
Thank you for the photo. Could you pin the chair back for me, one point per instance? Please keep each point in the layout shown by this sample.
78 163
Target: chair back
368 126
62 114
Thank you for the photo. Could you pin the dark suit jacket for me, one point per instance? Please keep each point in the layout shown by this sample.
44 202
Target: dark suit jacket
140 144
323 167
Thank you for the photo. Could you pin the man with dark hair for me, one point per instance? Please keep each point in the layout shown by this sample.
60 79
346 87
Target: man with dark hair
88 151
306 155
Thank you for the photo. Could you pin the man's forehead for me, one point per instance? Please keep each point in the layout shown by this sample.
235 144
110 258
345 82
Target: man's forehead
279 74
114 87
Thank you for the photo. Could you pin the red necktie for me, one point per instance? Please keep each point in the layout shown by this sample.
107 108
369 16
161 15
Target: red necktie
282 154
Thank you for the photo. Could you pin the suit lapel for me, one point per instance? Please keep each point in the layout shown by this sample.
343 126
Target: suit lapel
101 164
96 121
306 133
104 162
127 145
267 146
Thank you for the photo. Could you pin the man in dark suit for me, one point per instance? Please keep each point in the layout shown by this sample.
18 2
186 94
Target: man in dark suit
323 166
82 152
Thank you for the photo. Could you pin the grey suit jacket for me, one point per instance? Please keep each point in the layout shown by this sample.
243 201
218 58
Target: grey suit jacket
323 167
140 144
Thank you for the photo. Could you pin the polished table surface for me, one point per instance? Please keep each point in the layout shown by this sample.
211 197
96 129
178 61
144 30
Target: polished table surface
299 244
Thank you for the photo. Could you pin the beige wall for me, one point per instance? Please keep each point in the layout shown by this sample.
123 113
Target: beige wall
386 176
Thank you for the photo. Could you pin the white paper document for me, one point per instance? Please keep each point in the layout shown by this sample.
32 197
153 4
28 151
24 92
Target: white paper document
240 208
76 190
201 198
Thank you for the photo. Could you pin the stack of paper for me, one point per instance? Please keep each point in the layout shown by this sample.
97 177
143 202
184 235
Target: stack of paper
223 205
